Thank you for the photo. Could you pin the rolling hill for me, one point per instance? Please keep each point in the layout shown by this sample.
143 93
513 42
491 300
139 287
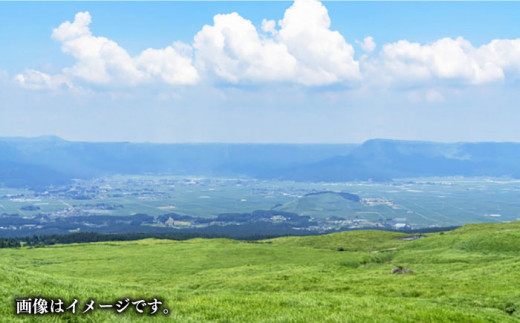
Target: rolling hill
467 275
325 204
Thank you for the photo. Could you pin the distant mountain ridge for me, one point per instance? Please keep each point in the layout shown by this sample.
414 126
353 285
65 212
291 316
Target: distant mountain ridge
383 160
50 160
53 159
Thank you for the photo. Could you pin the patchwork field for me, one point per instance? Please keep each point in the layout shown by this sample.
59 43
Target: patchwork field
194 203
471 274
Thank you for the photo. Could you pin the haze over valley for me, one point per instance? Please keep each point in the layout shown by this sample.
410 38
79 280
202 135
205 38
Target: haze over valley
51 186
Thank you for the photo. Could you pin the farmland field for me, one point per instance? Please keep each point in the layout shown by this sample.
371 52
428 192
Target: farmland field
417 203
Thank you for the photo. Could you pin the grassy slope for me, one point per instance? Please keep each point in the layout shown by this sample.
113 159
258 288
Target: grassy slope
468 275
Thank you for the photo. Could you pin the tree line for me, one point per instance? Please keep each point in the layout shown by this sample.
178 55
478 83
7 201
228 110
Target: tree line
253 234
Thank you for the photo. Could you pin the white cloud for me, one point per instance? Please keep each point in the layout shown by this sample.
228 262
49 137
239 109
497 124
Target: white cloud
304 50
98 60
269 26
300 49
368 44
232 50
102 61
168 64
447 59
505 53
324 55
37 80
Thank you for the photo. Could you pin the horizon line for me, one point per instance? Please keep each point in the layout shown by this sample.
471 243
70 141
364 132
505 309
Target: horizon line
54 137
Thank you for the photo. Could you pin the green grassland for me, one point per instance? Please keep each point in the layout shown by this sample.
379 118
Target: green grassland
471 274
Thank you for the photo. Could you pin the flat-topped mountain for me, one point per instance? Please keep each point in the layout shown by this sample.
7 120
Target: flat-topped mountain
383 160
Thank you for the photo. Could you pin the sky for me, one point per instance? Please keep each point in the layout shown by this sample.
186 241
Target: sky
260 72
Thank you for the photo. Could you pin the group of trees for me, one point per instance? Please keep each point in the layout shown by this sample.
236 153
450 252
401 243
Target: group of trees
84 237
10 243
249 232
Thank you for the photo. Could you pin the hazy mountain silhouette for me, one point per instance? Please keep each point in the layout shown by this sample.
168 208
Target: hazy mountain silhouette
51 160
381 160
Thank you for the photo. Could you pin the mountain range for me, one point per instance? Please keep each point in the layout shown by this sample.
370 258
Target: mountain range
36 162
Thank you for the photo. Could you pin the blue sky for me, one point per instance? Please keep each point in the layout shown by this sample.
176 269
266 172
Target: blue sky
260 71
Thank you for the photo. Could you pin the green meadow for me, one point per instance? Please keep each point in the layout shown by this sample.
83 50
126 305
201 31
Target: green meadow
471 274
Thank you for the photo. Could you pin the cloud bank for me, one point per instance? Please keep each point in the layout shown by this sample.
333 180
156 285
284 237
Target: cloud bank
300 49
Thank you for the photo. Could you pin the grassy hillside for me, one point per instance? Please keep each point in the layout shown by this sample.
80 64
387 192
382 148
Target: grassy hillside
468 275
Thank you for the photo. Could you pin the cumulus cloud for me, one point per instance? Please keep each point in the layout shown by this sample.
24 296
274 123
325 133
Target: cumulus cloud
232 50
303 50
269 26
300 49
368 44
447 59
98 59
168 64
102 61
324 55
